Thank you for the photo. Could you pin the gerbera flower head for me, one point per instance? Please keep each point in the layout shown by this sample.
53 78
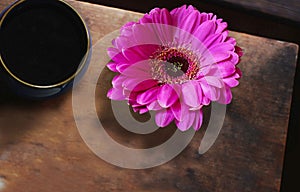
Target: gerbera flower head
174 63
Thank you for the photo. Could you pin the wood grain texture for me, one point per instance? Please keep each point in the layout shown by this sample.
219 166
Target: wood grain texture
288 9
41 149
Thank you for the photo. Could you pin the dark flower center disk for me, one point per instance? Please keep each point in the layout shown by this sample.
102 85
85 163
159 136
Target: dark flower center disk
176 66
173 65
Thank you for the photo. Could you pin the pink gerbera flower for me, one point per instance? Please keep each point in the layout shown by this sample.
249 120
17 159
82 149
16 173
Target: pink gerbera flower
174 63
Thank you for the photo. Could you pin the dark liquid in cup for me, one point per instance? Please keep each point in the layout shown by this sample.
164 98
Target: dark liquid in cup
42 42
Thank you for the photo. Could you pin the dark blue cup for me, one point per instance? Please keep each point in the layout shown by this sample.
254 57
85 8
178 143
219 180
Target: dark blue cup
44 45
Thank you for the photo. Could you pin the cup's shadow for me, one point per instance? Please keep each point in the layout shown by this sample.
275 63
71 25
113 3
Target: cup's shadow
18 115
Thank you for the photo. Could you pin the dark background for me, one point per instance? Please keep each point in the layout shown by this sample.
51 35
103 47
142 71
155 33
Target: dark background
267 18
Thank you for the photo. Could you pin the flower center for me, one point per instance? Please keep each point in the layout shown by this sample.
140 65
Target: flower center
174 65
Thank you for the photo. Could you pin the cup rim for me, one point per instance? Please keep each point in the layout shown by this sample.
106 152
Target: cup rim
81 64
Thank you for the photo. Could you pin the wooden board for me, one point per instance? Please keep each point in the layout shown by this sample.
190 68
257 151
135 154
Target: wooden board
288 9
41 149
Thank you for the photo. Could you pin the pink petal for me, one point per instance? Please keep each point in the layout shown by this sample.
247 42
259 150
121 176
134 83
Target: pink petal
238 72
190 22
117 81
145 85
112 66
231 81
163 117
212 71
179 110
221 47
165 17
143 52
179 14
122 66
198 120
192 94
143 110
187 122
221 51
161 28
217 53
132 55
204 30
146 19
126 93
205 101
225 36
212 40
113 42
176 110
126 30
149 49
128 25
142 66
206 16
234 58
196 108
139 70
165 33
135 109
154 106
210 58
115 94
136 105
148 96
144 34
132 99
225 95
213 81
209 91
239 51
230 40
131 83
221 26
154 11
122 42
226 68
204 69
167 96
114 54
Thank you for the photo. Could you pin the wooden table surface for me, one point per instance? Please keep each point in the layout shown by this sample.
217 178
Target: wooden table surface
288 9
41 149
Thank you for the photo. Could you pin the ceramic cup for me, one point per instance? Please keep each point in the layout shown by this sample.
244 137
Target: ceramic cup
44 45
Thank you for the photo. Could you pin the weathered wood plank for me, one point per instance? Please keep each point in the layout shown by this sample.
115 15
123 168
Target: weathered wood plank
288 9
41 149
